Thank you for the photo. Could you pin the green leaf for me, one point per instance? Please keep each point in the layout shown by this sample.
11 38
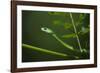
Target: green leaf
73 35
67 25
57 22
84 30
58 13
84 50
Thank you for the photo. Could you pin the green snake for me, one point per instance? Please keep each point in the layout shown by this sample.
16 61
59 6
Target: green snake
48 30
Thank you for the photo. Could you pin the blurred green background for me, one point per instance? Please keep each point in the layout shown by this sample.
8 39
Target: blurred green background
60 23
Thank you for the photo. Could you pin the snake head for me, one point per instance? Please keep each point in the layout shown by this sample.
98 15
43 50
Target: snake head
47 30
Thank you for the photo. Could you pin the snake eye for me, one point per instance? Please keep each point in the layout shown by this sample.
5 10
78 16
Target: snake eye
45 28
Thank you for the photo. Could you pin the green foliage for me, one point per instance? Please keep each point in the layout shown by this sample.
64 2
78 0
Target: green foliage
57 13
68 47
79 21
57 22
84 30
73 35
67 25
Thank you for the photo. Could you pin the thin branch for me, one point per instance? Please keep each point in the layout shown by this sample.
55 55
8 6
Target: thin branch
75 30
44 50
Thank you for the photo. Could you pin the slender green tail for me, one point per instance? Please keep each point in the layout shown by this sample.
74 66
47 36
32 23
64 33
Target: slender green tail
66 45
44 50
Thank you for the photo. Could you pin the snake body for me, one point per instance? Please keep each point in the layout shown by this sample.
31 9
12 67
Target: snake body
48 30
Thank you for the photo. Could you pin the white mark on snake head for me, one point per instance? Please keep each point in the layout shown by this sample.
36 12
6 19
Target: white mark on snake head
47 30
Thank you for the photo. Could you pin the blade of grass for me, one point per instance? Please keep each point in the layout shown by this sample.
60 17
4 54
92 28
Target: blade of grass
75 30
44 50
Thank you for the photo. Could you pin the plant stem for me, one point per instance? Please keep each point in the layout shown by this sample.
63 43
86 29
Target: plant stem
44 50
66 45
75 30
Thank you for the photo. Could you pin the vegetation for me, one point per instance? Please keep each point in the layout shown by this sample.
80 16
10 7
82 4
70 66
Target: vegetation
69 30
